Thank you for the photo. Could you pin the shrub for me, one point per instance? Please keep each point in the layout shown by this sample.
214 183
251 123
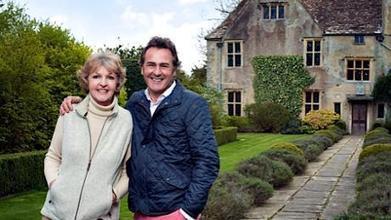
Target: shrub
337 130
225 135
320 119
292 127
374 149
267 116
341 124
296 162
288 146
259 189
282 173
378 163
373 197
241 122
324 141
21 172
311 149
330 134
379 135
226 203
260 167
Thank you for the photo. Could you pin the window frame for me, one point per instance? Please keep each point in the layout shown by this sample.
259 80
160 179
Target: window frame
235 103
383 111
339 108
277 10
357 64
359 39
234 53
312 102
313 52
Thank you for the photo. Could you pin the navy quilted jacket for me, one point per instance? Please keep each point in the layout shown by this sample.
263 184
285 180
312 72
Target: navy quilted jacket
174 157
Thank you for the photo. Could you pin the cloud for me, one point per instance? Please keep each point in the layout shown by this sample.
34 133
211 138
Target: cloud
190 2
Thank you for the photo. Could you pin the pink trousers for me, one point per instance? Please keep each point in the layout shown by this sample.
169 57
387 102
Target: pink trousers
177 215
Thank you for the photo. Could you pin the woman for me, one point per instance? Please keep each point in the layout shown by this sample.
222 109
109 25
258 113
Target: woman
85 166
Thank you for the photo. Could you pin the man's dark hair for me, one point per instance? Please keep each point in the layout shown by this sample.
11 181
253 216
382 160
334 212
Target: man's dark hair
161 43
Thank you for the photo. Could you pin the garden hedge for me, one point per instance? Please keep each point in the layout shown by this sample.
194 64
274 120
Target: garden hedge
226 135
21 172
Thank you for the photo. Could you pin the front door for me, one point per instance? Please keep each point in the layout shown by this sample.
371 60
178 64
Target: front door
359 118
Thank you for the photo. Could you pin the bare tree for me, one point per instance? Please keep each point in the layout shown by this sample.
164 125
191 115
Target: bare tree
226 6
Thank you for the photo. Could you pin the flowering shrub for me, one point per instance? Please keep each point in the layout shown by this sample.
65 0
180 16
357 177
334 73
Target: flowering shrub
320 119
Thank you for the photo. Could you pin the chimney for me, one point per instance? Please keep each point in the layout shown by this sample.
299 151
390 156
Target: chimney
386 10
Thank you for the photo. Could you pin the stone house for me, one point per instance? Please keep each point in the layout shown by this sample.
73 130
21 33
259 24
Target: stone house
345 45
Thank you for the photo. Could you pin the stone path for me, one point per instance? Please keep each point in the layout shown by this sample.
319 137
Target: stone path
325 189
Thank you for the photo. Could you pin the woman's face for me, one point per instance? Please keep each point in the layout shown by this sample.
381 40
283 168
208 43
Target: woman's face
102 85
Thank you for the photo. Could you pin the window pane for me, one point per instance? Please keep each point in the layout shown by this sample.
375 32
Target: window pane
357 75
358 64
230 96
366 64
350 75
315 107
230 109
281 11
265 12
310 46
308 98
238 60
230 60
238 97
350 64
317 45
237 110
230 47
273 10
380 110
337 108
316 97
307 108
237 47
309 59
317 59
366 75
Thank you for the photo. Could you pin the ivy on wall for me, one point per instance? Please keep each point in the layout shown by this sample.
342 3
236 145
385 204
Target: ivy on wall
281 79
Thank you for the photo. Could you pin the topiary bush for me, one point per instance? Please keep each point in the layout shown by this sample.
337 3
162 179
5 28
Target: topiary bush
341 124
323 141
378 163
226 202
373 196
259 189
296 162
330 134
379 135
374 149
241 122
312 151
267 116
260 167
320 119
282 173
288 146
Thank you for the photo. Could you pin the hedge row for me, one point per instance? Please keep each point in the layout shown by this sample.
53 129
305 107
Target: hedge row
226 135
255 179
21 172
373 177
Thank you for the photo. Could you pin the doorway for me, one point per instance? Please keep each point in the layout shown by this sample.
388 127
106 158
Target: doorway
359 118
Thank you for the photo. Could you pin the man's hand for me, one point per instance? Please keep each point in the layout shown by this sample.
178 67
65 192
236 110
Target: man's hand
66 105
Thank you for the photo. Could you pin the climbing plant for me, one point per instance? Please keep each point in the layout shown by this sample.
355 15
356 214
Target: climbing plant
281 79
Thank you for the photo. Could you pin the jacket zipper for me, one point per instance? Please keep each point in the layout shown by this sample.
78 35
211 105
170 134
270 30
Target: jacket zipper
89 162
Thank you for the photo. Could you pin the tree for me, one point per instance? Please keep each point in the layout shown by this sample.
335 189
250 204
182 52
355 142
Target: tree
130 59
382 93
37 65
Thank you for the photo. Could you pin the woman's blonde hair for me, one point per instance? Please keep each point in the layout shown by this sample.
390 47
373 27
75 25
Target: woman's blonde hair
107 60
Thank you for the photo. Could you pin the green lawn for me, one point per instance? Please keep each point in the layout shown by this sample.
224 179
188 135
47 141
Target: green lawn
27 206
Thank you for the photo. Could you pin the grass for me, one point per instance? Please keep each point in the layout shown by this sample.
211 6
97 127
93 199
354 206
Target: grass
27 206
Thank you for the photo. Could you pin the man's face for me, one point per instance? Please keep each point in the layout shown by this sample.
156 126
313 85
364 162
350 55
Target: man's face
158 71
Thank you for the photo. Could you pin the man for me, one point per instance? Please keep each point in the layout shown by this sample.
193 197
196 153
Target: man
174 158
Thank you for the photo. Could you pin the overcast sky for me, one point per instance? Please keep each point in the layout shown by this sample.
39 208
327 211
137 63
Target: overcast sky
131 22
